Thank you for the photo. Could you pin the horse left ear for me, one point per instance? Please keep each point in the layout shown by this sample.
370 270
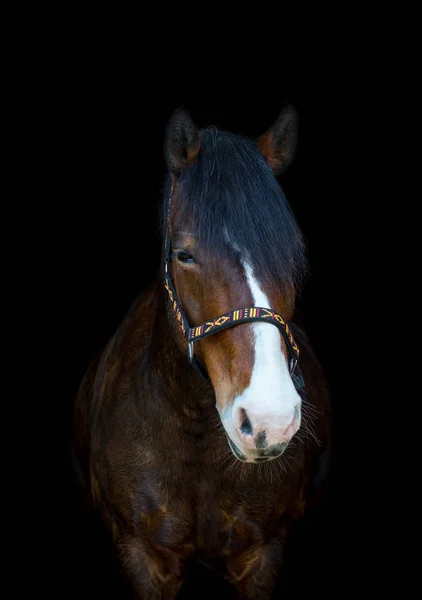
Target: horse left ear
278 144
182 141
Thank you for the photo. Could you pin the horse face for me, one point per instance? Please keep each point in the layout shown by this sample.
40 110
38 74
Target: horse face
259 406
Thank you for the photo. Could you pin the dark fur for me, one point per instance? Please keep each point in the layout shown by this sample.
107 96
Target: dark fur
145 437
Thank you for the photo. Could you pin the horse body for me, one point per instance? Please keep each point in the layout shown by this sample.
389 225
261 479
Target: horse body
152 451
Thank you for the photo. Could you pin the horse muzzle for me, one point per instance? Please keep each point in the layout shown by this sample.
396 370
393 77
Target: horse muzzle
261 439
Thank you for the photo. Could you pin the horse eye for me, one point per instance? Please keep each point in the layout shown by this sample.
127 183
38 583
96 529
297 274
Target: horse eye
185 257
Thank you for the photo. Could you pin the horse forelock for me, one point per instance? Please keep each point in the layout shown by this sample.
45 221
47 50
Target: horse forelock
234 204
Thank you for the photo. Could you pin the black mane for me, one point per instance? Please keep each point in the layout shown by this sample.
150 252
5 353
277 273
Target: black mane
230 188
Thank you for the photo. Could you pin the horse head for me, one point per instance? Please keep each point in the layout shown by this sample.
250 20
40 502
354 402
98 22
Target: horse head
232 243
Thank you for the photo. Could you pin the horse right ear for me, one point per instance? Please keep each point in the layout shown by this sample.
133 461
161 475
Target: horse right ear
278 144
182 142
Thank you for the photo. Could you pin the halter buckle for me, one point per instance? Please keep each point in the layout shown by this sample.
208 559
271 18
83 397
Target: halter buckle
293 363
190 351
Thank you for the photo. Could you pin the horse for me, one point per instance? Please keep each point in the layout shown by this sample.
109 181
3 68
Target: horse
202 430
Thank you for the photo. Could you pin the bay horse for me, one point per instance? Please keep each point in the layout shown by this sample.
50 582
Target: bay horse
202 430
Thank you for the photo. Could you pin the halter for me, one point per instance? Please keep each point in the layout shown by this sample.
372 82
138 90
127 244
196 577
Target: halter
230 319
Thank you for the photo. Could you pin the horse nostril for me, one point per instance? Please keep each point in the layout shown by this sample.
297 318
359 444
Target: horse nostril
246 427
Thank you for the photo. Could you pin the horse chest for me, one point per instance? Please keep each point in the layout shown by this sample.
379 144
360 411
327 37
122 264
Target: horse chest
198 497
211 525
214 514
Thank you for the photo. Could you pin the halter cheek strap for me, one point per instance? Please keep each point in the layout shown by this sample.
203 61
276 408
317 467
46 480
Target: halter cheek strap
230 319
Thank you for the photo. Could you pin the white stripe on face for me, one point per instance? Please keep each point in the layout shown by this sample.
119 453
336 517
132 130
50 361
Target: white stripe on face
271 402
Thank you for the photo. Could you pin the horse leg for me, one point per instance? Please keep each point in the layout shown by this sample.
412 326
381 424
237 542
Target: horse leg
254 572
154 573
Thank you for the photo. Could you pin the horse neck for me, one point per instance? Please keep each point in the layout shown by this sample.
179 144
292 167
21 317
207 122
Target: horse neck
172 372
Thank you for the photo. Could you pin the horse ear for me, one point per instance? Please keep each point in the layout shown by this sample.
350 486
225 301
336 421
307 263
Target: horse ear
278 144
182 141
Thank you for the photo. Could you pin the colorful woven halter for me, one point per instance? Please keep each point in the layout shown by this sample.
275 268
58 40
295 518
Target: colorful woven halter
230 319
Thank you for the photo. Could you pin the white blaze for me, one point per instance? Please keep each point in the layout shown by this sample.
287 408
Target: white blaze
271 397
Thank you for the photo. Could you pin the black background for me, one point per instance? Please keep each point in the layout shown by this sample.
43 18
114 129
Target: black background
108 115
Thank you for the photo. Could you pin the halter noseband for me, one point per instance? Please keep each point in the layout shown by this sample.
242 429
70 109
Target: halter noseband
230 319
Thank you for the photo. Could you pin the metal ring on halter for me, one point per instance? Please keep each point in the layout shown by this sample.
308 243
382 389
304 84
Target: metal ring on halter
190 351
293 363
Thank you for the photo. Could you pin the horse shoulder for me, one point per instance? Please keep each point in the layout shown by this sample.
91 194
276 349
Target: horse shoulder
101 389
